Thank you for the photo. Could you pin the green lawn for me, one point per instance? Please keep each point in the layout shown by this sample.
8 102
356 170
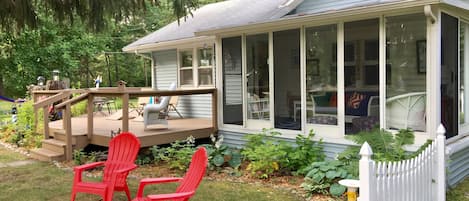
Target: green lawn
7 156
43 181
460 192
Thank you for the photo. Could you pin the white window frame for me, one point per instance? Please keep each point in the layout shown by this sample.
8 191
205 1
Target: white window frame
463 127
196 76
195 66
181 68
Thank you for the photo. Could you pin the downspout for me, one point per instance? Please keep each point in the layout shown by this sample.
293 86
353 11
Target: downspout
151 67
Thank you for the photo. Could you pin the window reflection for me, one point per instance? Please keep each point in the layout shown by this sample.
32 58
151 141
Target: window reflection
321 75
257 76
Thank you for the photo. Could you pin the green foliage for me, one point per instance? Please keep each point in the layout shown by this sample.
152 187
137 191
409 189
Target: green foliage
178 155
143 160
385 145
322 177
79 108
268 154
265 153
81 157
21 133
305 152
221 155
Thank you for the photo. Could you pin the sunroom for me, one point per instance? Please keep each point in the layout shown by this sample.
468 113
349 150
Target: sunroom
392 65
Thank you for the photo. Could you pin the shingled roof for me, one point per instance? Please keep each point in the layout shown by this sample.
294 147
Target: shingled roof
222 14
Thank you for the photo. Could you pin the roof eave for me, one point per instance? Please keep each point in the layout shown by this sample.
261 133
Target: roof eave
319 16
167 44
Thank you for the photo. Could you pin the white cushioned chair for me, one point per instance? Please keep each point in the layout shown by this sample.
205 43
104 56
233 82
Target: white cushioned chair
406 111
157 113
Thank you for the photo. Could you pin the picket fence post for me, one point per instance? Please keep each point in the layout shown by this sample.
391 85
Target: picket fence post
441 163
366 174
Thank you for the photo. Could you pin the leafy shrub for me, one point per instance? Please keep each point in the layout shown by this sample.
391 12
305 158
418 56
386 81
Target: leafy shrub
265 153
322 177
79 108
221 155
22 132
385 145
81 157
178 155
306 152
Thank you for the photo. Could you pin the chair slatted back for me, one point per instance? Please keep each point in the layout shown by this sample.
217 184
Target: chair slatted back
123 150
196 172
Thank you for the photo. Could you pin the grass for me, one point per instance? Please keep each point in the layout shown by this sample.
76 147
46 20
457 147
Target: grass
7 156
43 181
460 192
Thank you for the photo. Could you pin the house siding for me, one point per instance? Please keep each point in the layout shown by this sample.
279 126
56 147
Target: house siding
195 106
235 139
458 167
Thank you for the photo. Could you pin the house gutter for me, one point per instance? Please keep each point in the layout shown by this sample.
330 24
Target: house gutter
167 44
142 55
322 16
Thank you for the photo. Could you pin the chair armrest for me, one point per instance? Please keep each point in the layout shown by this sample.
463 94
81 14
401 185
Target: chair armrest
88 166
126 169
171 196
79 170
147 181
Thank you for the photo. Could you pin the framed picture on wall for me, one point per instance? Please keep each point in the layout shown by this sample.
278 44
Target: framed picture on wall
421 56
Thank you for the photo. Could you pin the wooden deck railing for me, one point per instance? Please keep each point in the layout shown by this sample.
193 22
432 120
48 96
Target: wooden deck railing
89 94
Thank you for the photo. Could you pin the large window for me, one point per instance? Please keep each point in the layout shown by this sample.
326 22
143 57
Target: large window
205 66
287 79
199 72
406 76
361 75
321 75
232 81
449 74
185 68
257 76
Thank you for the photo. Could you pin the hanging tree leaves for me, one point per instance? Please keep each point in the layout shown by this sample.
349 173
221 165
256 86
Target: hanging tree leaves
17 14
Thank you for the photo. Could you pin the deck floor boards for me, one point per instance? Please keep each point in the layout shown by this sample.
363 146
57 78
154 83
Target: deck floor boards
178 129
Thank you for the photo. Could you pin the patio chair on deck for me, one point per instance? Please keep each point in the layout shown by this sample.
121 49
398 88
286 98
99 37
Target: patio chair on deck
157 113
187 185
172 105
123 150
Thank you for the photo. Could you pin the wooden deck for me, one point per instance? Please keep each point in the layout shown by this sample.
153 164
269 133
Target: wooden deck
178 129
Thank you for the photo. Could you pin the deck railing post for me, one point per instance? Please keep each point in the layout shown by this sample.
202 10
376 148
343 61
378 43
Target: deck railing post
68 131
125 112
35 112
214 111
46 121
89 111
441 163
366 174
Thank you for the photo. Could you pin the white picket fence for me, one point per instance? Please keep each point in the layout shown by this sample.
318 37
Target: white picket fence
418 179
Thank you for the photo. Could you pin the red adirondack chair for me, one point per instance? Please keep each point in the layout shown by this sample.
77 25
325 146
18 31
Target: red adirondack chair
188 184
123 150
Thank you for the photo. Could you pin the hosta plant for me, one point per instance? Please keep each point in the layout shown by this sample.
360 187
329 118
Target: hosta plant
323 177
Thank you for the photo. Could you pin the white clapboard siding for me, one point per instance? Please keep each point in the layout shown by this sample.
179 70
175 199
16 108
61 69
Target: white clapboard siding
421 178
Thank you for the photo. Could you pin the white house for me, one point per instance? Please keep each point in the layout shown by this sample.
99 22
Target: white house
335 66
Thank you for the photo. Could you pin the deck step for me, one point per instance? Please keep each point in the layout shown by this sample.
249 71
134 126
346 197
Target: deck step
60 135
54 145
46 155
